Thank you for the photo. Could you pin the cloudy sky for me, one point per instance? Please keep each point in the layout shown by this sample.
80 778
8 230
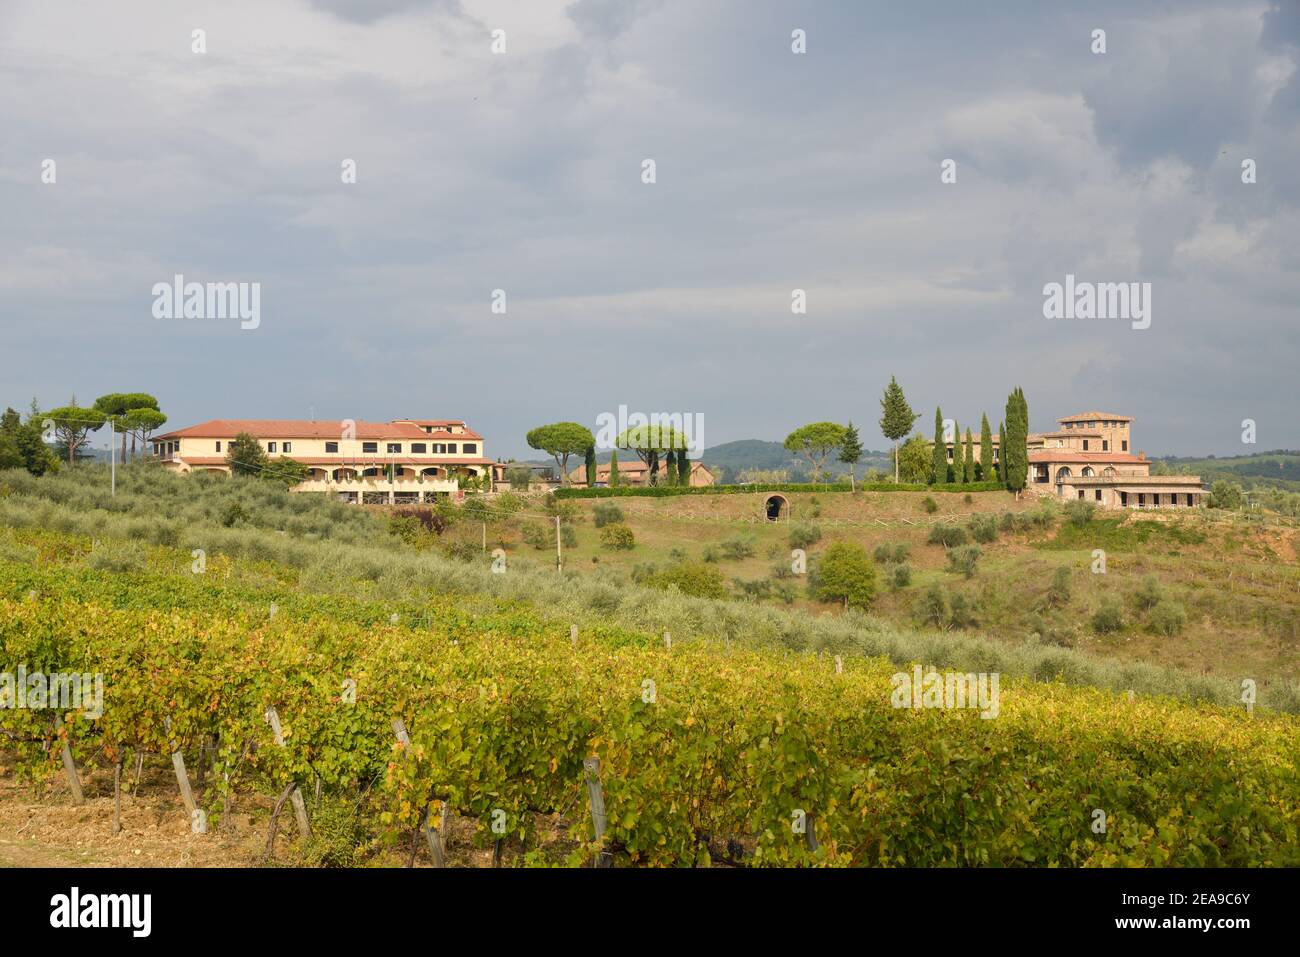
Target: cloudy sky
522 171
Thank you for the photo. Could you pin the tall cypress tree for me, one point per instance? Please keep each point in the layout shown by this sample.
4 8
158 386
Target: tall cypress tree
896 417
1014 448
613 469
939 459
670 471
986 450
954 467
1002 458
968 460
683 468
591 466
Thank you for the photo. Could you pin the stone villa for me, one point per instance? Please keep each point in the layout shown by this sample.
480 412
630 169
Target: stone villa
1091 457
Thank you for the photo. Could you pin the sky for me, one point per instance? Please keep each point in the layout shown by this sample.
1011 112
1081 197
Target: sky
522 170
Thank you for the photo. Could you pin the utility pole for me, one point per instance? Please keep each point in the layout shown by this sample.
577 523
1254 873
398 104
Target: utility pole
559 557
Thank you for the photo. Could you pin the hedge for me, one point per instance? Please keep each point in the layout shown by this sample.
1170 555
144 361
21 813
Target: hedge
660 491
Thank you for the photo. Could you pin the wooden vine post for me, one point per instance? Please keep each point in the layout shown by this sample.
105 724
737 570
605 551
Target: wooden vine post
295 796
432 837
597 797
182 779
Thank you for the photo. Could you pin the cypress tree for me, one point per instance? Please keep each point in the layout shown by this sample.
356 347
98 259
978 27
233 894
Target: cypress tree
954 467
591 466
613 469
968 460
896 417
939 459
1014 449
670 470
1002 457
683 467
986 450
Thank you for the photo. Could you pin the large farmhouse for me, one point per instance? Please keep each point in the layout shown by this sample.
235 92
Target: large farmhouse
1091 457
400 462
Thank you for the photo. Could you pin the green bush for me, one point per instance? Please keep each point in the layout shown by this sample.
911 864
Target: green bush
983 528
949 536
929 505
964 559
1148 594
606 513
617 537
535 535
663 491
1079 512
845 574
568 535
804 534
902 575
1168 618
1058 592
1225 494
738 548
690 578
1109 618
932 607
962 612
711 554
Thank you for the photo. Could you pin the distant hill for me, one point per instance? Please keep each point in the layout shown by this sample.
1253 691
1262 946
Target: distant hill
1279 468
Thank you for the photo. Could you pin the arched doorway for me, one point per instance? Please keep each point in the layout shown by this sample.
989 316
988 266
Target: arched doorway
777 508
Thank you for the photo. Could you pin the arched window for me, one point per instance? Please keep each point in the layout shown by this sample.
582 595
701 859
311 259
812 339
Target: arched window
1109 471
1063 473
1088 472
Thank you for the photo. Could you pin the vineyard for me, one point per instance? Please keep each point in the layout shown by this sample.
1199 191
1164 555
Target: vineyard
707 752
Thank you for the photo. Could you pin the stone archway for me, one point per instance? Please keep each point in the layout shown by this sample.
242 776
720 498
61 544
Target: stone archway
776 508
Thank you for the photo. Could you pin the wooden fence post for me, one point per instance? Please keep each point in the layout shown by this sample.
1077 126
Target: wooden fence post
70 766
431 836
597 797
182 779
295 796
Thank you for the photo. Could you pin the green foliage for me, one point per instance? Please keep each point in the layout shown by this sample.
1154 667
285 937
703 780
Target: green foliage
986 471
846 574
1058 592
851 451
561 440
1149 593
804 534
929 505
73 425
535 535
618 537
21 445
816 442
664 491
606 513
964 559
887 552
901 575
519 477
1108 618
968 460
932 607
914 460
949 536
738 548
690 578
1079 512
1015 452
1168 618
983 528
613 469
938 451
1225 494
896 417
245 455
591 466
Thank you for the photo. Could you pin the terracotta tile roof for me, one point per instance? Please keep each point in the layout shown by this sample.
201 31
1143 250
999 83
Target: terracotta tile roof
312 429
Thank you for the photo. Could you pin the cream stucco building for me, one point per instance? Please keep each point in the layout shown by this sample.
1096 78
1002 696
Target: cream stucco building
400 462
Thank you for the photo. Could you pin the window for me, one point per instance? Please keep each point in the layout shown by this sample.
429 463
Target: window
394 447
218 446
1097 494
1080 493
331 446
270 446
1092 425
469 448
1105 445
451 448
369 446
419 448
1085 445
1123 445
288 447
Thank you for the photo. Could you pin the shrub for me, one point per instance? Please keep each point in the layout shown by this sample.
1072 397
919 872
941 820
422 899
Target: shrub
785 592
232 514
902 575
1109 618
568 535
886 552
929 505
1042 516
535 535
968 498
964 559
1225 494
983 528
738 548
1079 512
711 554
508 502
756 589
804 534
464 551
845 574
1058 592
962 612
1148 594
1168 618
690 578
606 513
932 609
617 536
949 536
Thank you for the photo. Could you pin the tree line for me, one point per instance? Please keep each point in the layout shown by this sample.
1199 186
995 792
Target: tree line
920 460
47 438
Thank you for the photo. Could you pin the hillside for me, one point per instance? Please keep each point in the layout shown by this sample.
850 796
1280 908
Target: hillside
1276 469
